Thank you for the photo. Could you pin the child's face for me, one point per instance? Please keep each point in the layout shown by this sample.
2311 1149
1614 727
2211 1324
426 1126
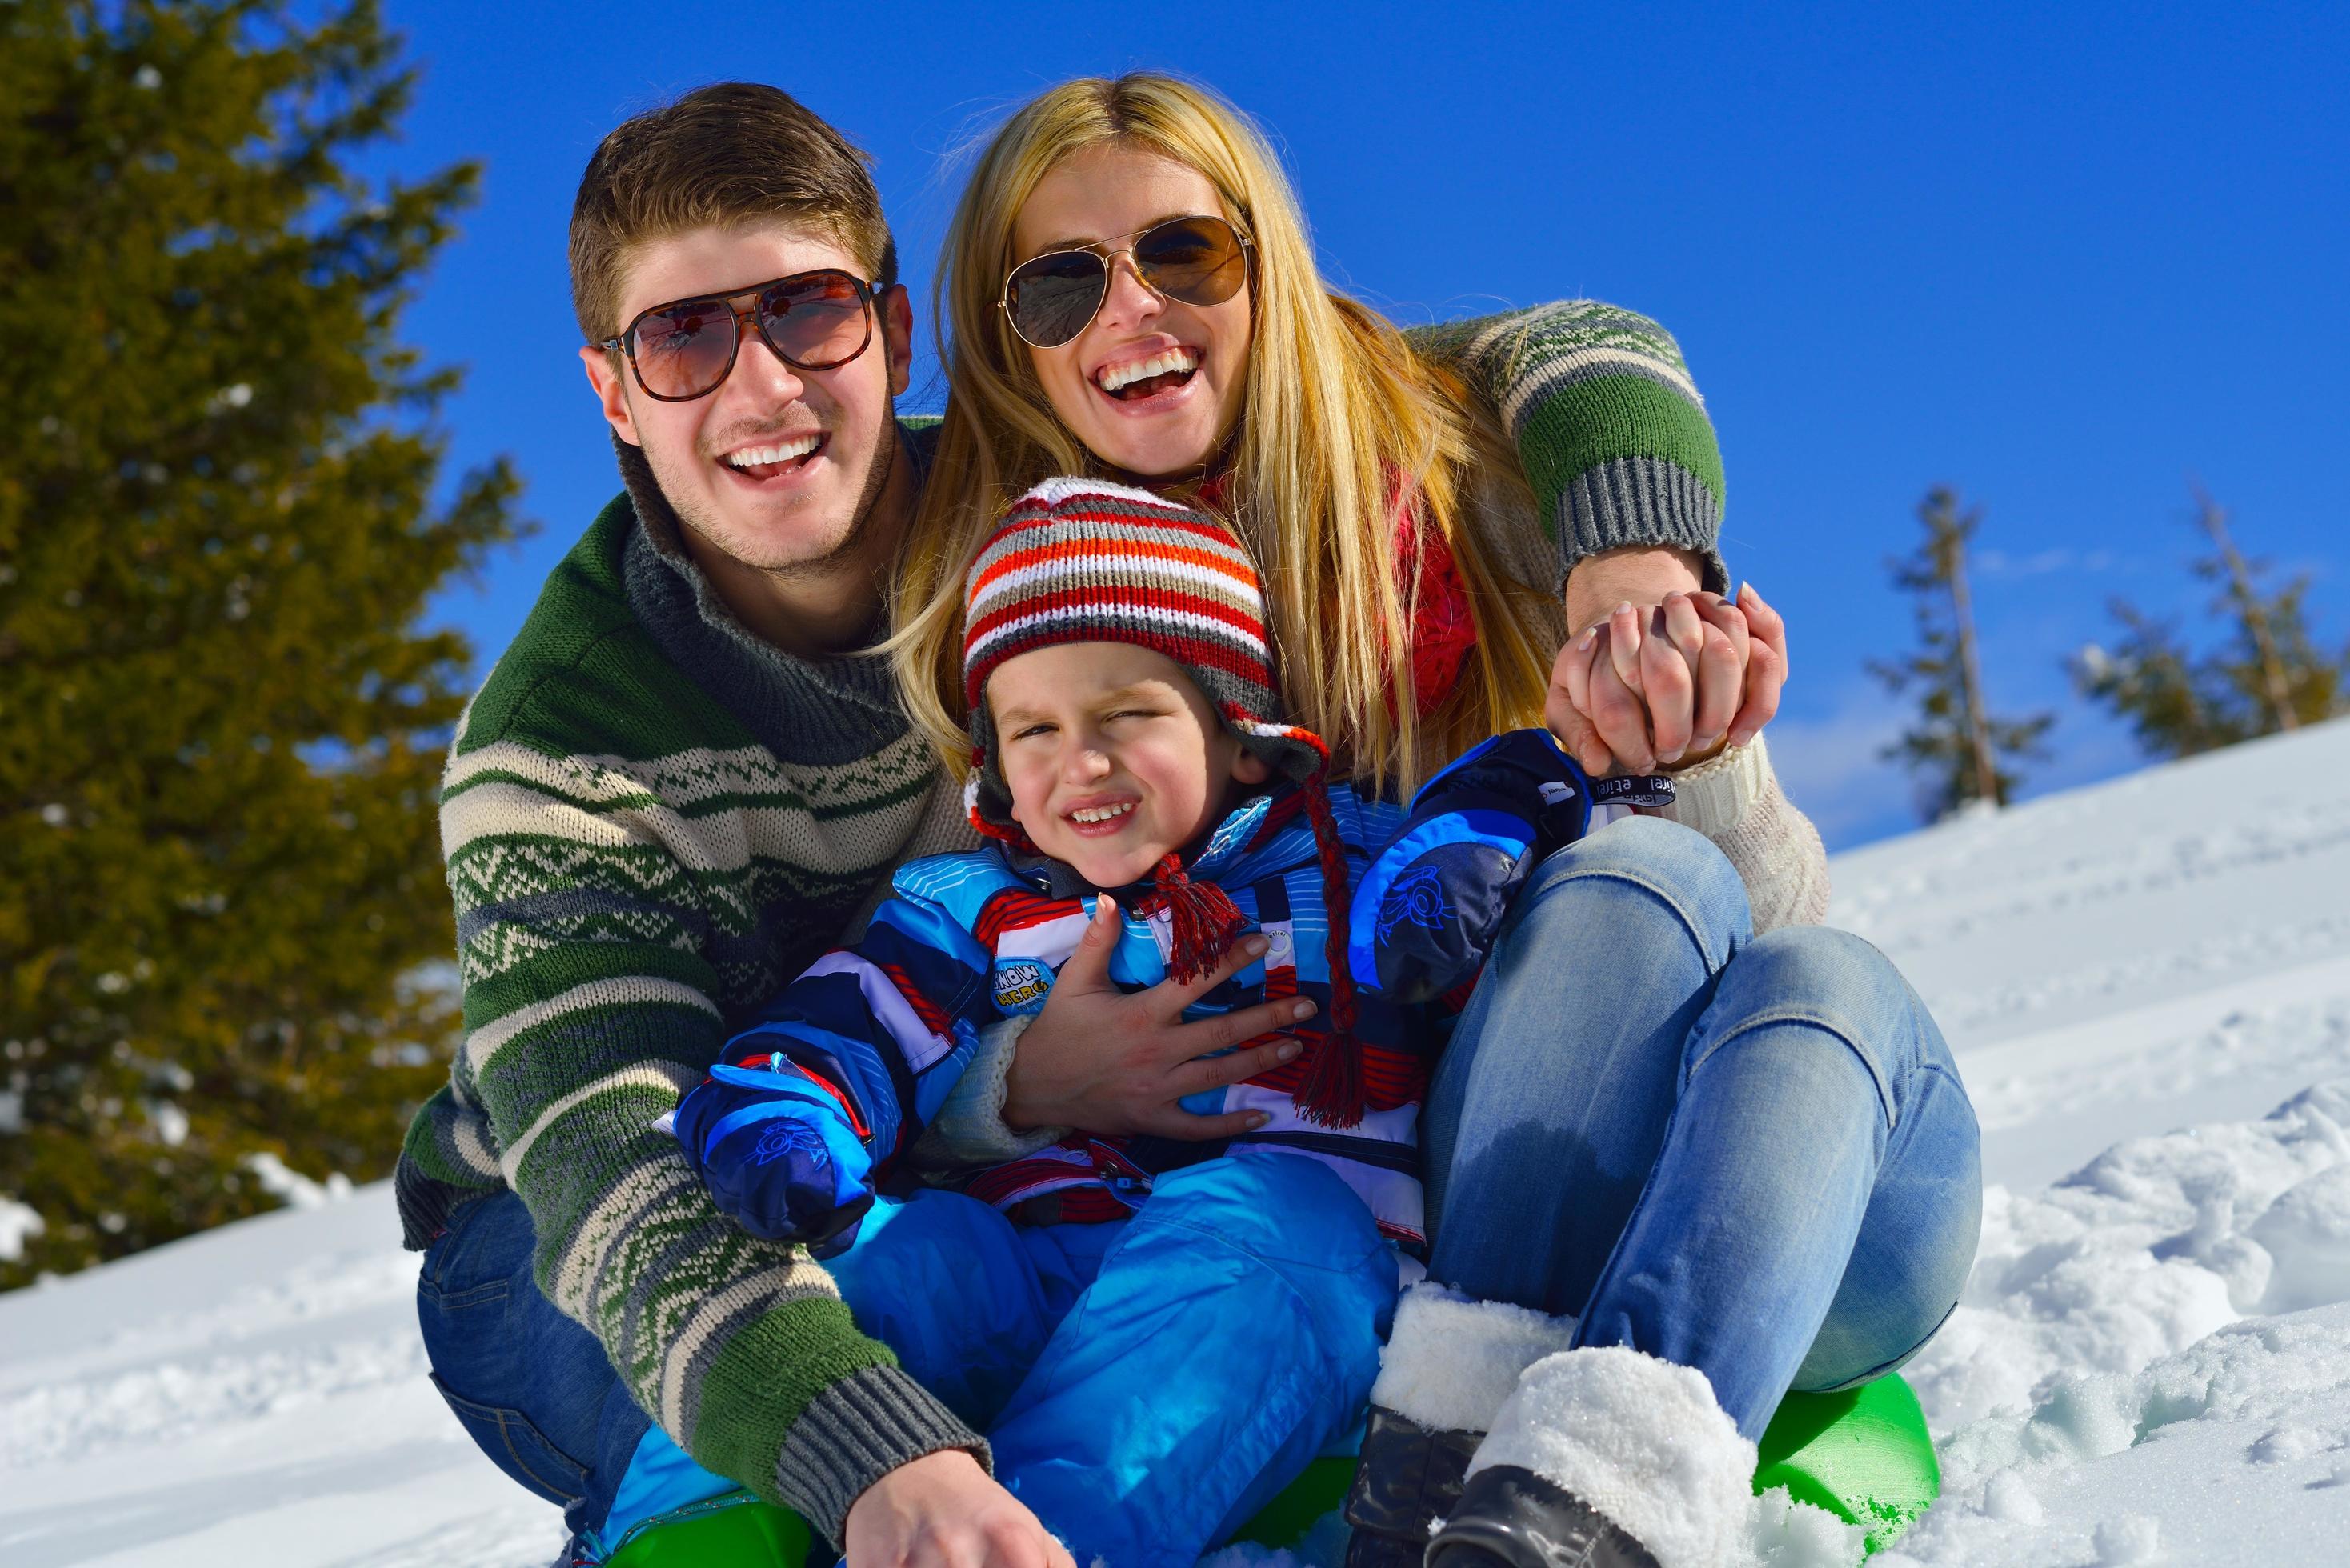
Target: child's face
1113 756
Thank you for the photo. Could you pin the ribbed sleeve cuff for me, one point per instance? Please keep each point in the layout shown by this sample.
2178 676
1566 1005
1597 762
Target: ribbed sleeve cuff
1712 796
857 1430
1640 501
969 1129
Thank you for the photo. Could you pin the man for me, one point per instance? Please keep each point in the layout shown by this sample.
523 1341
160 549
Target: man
671 794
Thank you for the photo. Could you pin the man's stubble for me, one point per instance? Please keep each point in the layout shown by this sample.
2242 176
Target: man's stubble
854 539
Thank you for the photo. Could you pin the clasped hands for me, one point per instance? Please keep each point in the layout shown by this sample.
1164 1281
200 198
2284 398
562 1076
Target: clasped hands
1657 674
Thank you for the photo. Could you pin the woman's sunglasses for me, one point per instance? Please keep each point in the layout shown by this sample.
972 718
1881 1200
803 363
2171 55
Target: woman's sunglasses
1051 297
811 320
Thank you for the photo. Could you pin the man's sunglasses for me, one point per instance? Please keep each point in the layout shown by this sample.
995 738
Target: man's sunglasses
1198 261
812 321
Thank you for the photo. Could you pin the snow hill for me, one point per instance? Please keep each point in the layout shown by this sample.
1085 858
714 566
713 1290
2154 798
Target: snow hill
2148 986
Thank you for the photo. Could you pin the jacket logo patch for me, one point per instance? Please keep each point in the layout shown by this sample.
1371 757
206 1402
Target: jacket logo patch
1416 897
1021 984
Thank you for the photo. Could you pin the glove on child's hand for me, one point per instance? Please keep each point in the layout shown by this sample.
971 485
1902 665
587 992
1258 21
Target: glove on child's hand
778 1151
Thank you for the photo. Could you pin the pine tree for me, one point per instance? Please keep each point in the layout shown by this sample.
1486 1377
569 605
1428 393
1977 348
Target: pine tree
2270 675
220 722
1959 751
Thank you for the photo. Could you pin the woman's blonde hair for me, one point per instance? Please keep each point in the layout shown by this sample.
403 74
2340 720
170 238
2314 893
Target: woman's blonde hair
1339 412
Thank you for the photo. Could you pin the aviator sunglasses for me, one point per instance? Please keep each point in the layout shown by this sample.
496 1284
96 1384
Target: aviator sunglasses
811 320
1198 261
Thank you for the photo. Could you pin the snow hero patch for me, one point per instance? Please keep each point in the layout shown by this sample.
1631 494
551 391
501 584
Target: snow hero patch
1022 985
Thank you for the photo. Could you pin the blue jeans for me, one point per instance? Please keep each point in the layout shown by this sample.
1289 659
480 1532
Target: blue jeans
1147 1385
1751 1156
534 1388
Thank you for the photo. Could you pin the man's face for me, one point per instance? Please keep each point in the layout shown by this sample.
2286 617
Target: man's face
830 431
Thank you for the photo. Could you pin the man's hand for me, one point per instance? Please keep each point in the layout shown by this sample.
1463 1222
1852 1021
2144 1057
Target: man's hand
1109 1062
943 1511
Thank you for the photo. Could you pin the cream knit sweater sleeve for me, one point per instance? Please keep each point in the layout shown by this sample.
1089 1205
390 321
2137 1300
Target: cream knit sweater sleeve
1734 799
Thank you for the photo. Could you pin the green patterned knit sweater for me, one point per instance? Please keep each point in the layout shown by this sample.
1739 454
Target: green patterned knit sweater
652 820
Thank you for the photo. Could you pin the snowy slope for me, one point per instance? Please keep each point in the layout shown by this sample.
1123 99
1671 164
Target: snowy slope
2152 1361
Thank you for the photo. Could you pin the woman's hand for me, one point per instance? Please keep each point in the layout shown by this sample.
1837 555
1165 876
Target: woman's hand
943 1511
1670 684
1109 1062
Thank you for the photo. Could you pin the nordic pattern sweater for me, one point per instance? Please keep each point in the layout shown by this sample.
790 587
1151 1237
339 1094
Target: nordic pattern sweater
652 820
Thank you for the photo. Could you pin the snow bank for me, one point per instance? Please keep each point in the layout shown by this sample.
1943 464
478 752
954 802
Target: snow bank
2150 1247
2111 1403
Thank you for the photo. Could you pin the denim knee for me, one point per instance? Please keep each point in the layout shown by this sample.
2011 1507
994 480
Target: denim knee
1835 983
1679 867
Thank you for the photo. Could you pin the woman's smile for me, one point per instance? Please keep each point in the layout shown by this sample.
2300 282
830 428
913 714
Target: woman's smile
1152 385
1141 372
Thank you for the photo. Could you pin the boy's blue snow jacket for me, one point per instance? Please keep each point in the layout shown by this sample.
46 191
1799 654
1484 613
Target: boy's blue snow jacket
809 1108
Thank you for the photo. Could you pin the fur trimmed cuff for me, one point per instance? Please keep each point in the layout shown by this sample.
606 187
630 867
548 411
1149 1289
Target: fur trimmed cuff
1452 1361
1640 1440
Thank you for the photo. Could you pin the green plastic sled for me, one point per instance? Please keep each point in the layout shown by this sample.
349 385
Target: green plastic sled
1863 1455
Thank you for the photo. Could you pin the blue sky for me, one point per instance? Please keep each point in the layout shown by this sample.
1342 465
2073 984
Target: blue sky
2058 256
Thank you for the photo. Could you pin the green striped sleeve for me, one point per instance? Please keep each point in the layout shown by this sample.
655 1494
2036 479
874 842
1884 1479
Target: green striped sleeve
601 930
1610 428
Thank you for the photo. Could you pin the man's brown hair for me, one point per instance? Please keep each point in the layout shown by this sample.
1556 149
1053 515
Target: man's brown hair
722 156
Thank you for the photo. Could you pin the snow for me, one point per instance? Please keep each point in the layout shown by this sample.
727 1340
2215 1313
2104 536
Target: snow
2148 986
18 1223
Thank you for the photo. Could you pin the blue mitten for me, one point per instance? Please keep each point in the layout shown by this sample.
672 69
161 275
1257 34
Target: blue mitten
1427 912
779 1153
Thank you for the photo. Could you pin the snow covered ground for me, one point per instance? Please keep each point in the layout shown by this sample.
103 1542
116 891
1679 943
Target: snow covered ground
2148 986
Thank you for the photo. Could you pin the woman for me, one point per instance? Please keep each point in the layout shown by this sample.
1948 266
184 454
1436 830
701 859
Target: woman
1707 1164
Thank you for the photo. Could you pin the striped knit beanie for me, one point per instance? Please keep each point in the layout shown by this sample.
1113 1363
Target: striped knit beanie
1080 560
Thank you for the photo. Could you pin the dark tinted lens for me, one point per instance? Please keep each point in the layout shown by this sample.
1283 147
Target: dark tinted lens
816 321
682 351
1196 260
1052 297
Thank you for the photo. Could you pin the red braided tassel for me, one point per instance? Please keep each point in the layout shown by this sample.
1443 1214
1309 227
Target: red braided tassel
1333 1094
1201 919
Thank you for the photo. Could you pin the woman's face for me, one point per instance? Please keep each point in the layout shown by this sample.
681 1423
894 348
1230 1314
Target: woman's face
1163 424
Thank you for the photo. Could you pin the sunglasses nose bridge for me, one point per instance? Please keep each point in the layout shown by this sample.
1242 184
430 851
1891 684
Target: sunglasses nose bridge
1154 298
749 329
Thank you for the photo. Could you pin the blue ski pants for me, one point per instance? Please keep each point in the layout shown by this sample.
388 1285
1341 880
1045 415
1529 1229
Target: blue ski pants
1146 1385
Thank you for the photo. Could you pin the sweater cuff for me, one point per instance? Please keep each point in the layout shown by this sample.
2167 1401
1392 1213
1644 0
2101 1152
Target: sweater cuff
1713 795
969 1129
857 1432
1640 501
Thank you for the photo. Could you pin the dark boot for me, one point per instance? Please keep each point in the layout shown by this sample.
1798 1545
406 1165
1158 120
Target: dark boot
1512 1518
1409 1478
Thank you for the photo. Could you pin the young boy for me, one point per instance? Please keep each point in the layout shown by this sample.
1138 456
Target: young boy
1156 1335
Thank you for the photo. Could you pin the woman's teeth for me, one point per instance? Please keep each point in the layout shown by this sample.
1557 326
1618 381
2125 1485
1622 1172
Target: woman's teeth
760 456
1100 813
1174 360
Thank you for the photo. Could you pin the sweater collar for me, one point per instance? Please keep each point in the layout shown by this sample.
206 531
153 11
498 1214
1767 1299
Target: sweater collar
822 710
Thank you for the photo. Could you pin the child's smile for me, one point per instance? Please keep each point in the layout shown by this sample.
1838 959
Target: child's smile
1113 756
